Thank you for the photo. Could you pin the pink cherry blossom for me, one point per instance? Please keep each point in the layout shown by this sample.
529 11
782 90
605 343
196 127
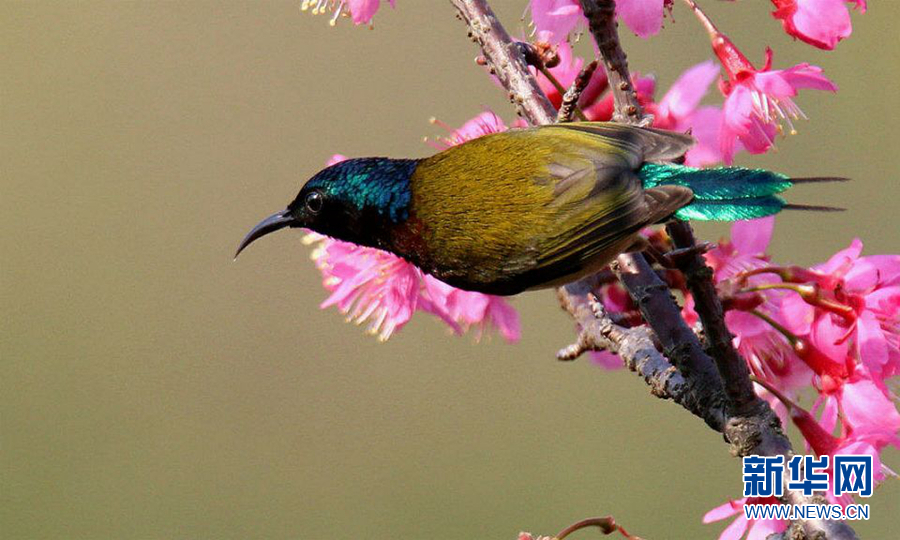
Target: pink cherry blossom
686 92
757 529
470 309
644 17
868 409
615 299
758 102
374 286
606 360
601 110
361 11
821 23
766 351
529 536
868 327
367 284
856 437
554 20
846 315
680 110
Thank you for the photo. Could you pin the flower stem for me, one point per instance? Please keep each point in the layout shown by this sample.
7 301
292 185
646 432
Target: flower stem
812 295
559 88
792 338
774 391
776 286
703 17
606 524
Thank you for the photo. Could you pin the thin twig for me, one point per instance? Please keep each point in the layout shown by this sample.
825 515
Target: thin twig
601 16
733 369
569 104
636 348
607 525
659 309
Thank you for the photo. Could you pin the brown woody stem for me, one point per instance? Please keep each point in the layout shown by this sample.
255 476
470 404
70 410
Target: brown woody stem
601 16
732 368
569 106
636 347
607 525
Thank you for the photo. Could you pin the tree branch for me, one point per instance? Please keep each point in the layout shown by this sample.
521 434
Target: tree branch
570 98
659 309
636 348
733 369
601 16
505 61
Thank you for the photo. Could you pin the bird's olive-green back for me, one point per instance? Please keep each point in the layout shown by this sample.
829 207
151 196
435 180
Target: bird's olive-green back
525 208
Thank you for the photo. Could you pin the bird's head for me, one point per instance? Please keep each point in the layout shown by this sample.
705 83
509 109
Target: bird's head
353 200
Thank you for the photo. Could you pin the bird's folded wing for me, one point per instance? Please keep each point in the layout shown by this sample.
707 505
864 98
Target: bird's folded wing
637 143
597 199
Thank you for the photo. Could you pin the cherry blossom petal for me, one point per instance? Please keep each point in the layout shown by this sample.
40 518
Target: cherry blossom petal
554 20
873 347
689 89
829 416
724 511
705 125
362 11
606 360
822 22
644 17
870 411
752 237
841 262
827 336
874 271
502 316
736 530
798 315
741 123
785 83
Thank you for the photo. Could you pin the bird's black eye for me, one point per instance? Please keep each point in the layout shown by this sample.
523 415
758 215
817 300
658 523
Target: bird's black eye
314 202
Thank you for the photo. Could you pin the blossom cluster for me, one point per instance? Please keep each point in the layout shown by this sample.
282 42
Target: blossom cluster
831 331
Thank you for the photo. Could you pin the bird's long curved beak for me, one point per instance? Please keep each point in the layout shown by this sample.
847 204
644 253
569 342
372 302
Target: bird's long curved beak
278 220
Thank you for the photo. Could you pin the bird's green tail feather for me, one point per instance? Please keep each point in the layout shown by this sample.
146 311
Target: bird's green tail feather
723 193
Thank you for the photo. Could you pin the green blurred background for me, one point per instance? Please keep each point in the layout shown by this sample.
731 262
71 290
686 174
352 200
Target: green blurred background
152 388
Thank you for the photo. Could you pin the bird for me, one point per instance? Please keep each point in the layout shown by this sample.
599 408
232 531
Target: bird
527 208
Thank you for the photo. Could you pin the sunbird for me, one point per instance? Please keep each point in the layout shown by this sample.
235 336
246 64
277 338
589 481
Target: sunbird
526 208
